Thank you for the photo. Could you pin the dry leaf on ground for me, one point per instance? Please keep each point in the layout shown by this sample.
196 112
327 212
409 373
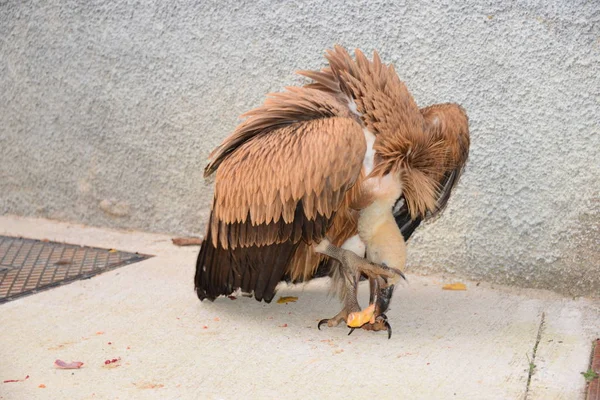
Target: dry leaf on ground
287 299
187 241
455 286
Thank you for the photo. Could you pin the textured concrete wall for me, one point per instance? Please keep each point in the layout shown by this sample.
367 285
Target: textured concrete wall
109 109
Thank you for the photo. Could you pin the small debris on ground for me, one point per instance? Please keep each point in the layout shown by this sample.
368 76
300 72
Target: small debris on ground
148 385
287 299
65 365
283 326
16 380
455 286
232 297
187 241
112 363
63 262
42 386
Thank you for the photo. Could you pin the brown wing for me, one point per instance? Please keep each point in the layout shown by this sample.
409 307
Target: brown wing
281 177
344 225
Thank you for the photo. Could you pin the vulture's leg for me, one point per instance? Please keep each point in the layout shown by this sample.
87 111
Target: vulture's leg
352 266
350 301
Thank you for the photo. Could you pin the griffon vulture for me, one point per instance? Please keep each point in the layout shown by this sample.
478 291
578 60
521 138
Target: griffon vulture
320 177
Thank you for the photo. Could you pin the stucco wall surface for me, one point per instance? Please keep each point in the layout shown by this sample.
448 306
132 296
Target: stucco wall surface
108 110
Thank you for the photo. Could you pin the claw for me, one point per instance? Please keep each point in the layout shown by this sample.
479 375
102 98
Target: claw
321 322
389 329
351 330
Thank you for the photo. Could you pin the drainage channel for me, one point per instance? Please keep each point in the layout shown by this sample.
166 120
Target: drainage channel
28 266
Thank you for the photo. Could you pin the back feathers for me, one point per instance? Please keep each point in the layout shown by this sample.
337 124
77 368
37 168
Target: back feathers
426 148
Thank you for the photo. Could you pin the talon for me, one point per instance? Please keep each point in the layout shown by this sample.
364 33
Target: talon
389 328
321 322
351 330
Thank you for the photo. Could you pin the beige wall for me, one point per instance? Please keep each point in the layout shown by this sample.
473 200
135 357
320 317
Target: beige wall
108 111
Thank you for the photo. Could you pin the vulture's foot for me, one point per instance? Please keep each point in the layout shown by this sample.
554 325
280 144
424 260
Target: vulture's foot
342 316
381 278
380 324
373 318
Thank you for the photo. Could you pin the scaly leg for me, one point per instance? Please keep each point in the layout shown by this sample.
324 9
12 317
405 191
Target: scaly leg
352 266
350 301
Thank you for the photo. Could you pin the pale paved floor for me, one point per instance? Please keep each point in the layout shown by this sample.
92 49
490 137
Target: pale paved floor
463 345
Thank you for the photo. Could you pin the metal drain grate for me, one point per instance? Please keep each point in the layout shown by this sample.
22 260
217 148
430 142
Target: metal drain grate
28 266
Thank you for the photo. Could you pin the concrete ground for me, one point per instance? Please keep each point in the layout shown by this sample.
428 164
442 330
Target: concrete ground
473 344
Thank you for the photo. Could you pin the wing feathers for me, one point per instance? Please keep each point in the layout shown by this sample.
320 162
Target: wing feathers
279 110
272 182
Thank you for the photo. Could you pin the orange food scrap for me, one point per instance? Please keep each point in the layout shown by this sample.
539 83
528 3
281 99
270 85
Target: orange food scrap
217 319
112 251
287 299
455 286
42 386
358 319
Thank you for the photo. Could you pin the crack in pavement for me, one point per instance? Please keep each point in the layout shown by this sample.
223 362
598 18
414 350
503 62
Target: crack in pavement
532 360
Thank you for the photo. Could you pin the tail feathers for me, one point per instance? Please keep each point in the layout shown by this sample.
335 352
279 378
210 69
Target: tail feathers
255 270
